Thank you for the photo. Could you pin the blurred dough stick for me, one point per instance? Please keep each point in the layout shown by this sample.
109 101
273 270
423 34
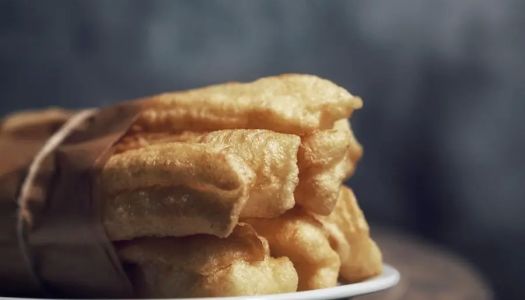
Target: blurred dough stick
326 158
303 239
34 122
271 155
173 189
206 266
349 233
291 103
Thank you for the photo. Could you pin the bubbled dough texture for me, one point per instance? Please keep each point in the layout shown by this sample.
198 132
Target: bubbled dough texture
139 182
291 103
326 158
300 104
152 192
207 266
302 238
285 169
350 237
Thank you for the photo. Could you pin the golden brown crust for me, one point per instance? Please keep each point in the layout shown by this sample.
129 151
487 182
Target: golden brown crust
301 104
270 155
326 158
301 238
290 103
273 158
207 266
173 189
350 237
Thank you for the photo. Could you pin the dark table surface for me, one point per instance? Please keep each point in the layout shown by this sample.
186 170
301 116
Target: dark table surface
427 271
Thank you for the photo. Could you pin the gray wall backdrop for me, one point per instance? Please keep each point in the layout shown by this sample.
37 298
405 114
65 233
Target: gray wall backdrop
443 84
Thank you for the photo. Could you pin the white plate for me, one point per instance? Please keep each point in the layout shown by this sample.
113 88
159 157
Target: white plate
389 278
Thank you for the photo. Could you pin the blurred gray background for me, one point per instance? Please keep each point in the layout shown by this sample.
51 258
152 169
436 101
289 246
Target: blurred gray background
443 84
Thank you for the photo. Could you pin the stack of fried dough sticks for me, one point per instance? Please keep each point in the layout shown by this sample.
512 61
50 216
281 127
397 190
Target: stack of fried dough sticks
236 189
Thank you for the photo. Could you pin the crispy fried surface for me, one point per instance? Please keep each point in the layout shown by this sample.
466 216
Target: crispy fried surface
291 103
350 236
271 155
300 104
140 139
207 266
273 158
326 158
301 238
173 189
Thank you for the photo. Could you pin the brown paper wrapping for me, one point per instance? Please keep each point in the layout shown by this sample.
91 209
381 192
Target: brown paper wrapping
54 245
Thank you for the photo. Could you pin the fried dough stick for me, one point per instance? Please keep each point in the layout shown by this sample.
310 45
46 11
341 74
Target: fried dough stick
273 158
291 103
300 104
300 237
206 266
326 158
350 237
173 189
271 155
34 122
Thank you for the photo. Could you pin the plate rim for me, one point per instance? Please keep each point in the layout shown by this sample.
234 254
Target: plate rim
387 279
